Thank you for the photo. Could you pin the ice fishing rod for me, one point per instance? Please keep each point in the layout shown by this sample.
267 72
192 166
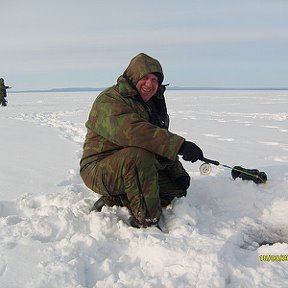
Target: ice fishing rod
236 172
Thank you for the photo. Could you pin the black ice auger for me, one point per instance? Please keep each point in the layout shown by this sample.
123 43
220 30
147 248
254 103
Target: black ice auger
236 172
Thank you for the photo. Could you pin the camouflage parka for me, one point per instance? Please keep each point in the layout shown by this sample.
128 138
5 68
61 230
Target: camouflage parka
119 117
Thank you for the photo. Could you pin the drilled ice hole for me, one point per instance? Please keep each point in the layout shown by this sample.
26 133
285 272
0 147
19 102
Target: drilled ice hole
260 236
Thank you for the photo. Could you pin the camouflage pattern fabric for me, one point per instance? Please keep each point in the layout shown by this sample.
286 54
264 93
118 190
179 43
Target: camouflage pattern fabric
131 171
122 148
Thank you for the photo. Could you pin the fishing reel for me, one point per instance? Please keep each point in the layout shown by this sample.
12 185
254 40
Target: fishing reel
205 169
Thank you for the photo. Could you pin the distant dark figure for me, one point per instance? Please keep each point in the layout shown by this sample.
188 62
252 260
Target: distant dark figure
3 93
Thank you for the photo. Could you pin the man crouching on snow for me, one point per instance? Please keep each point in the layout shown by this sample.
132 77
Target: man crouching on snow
129 156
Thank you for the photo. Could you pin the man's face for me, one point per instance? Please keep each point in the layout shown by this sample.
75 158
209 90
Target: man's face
147 86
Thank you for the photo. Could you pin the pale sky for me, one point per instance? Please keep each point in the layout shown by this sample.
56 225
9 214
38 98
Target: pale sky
89 43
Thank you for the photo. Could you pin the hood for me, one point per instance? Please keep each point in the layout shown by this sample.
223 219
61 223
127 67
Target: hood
142 65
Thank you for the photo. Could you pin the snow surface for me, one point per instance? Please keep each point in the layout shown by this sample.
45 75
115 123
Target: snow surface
214 236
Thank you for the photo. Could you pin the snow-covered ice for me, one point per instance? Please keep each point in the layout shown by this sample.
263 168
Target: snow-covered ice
215 236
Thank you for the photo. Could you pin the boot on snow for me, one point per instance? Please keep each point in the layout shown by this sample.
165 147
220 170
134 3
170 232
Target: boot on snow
98 205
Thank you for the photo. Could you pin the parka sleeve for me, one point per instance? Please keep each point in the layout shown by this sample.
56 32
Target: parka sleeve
120 123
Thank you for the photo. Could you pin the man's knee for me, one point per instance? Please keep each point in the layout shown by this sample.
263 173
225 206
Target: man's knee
107 175
139 159
138 154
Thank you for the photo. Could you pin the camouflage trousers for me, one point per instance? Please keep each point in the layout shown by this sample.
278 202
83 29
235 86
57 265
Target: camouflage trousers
133 177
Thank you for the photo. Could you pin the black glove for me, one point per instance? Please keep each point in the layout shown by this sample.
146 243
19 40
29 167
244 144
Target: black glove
183 182
190 152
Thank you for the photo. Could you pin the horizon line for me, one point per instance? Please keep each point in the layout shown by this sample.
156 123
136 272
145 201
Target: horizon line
87 89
